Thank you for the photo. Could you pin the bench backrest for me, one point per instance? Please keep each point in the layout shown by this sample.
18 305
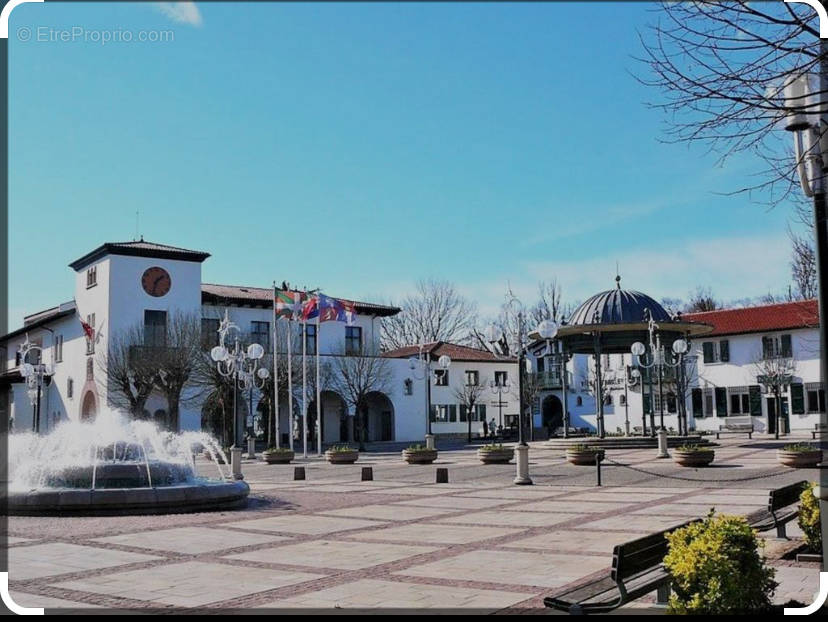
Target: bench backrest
636 556
785 496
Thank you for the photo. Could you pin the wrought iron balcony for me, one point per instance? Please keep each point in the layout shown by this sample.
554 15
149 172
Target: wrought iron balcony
547 379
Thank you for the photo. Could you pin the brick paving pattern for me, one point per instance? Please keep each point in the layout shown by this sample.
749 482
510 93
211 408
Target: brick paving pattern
399 542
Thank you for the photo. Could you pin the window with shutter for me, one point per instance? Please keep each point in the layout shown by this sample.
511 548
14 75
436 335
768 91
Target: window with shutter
453 413
724 350
767 347
798 399
721 402
698 403
755 392
707 352
787 349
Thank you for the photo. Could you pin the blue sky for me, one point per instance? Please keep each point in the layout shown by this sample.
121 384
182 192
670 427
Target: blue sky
359 147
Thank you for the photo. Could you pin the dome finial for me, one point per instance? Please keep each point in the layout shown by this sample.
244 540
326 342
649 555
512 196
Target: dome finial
617 276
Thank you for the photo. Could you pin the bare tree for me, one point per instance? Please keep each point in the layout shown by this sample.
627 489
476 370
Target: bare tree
721 67
701 300
177 360
217 405
436 311
774 369
803 266
469 395
550 305
128 371
355 377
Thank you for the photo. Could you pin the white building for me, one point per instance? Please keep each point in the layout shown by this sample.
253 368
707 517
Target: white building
122 285
724 368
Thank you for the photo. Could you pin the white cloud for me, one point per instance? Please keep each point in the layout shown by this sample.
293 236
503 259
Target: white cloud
183 12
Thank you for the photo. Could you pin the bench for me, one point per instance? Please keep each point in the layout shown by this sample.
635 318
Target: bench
737 425
782 509
637 570
819 428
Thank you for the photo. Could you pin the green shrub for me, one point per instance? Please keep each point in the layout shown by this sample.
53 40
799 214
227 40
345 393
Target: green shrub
582 447
799 447
493 447
809 518
341 449
278 450
694 448
419 448
716 568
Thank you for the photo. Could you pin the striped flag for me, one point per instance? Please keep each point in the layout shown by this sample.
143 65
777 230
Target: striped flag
289 304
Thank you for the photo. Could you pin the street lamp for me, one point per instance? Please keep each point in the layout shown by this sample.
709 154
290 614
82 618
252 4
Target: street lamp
499 388
631 379
36 375
241 365
425 365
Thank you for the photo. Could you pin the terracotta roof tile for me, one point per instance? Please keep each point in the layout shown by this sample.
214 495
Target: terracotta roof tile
457 352
765 318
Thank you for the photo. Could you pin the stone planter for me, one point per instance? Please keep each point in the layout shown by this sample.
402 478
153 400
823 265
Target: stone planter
799 459
693 458
278 457
583 456
341 457
495 456
419 456
209 456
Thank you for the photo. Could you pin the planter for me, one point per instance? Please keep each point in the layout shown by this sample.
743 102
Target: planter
341 457
219 459
495 456
799 459
419 456
693 458
583 456
278 457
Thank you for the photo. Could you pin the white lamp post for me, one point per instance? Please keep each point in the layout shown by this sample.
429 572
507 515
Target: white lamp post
425 366
242 367
36 375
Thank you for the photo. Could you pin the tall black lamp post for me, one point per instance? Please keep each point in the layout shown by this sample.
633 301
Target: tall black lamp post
37 375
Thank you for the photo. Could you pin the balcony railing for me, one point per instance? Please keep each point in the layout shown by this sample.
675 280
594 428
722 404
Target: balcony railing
548 379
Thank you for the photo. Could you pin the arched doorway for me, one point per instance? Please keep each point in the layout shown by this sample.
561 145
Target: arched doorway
380 417
552 414
89 407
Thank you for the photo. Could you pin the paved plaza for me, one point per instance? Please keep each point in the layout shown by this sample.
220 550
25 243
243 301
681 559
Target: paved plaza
400 541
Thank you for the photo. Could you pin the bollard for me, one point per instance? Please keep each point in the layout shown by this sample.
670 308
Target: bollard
235 462
298 473
598 457
442 475
367 474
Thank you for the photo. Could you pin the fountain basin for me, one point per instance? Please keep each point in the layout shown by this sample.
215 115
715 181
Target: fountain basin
180 498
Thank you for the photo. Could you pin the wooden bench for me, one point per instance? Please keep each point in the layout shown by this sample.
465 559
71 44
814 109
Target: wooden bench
819 428
637 570
737 425
782 509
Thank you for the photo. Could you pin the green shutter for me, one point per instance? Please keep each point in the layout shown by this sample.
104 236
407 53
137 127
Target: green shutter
798 399
787 350
481 412
433 414
721 402
755 392
707 351
767 347
724 350
453 413
698 404
462 412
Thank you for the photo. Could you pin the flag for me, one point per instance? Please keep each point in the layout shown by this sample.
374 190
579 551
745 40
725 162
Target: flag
87 330
289 304
329 309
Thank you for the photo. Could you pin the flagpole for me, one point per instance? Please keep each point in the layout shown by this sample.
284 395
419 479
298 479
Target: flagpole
290 382
318 388
304 388
275 422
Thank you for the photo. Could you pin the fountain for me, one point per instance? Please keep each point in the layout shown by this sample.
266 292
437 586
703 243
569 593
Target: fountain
116 465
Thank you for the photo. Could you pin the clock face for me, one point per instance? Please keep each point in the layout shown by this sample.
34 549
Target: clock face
156 281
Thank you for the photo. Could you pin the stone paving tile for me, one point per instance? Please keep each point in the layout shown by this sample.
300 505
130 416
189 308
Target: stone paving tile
420 491
45 560
510 568
190 540
47 602
387 512
644 524
303 523
342 555
570 505
575 540
800 584
188 584
516 494
428 533
695 509
723 499
632 497
509 519
370 593
455 503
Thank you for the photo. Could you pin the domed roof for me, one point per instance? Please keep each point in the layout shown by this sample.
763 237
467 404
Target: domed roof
618 306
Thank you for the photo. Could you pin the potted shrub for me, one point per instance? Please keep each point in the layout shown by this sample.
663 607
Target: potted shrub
419 454
799 455
808 521
495 454
693 456
278 455
716 568
583 454
342 454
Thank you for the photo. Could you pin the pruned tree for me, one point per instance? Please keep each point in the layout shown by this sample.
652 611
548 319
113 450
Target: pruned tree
803 267
436 311
469 395
775 367
128 371
701 300
217 393
177 361
721 66
355 377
